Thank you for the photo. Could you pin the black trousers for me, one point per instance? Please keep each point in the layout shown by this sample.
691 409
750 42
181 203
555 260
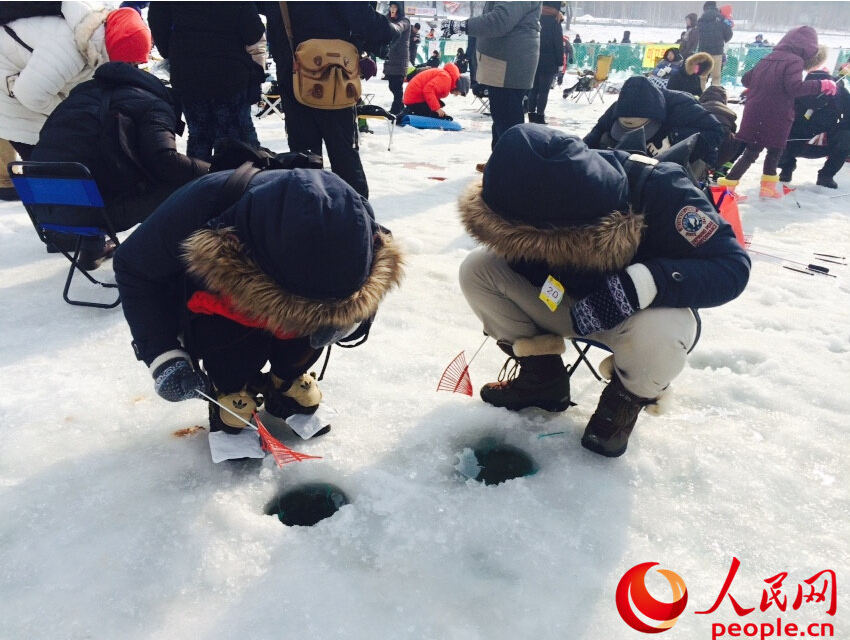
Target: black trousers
125 212
396 83
233 355
506 110
750 155
836 152
422 109
306 128
538 95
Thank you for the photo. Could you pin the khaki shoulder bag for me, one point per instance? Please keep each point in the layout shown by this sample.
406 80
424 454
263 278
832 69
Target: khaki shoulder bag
325 73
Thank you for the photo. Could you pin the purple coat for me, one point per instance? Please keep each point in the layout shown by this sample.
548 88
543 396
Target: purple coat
773 84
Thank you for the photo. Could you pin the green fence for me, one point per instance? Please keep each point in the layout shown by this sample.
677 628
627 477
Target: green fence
637 58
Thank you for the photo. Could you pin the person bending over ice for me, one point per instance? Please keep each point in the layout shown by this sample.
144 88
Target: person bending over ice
425 92
622 253
294 264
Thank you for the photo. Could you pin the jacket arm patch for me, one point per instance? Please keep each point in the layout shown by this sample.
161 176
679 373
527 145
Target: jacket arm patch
695 226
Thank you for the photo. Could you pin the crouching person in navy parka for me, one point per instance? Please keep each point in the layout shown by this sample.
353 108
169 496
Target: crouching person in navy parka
599 258
297 263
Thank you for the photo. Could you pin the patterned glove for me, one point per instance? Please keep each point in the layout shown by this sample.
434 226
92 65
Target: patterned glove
606 307
828 87
176 380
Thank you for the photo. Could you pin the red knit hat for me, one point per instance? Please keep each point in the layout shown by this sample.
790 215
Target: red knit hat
128 38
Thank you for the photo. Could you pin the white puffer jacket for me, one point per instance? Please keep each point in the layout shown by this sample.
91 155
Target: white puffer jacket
66 51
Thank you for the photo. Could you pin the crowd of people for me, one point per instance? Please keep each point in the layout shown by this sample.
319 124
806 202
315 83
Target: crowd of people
243 258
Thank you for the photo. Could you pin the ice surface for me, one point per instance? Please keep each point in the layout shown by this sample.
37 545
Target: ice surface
110 527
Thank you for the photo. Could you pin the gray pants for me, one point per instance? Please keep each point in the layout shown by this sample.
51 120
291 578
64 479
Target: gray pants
649 348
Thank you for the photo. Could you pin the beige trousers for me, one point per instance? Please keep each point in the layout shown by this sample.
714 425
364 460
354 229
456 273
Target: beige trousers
7 155
715 71
650 348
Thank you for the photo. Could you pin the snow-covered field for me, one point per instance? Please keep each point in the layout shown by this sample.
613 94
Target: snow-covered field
112 527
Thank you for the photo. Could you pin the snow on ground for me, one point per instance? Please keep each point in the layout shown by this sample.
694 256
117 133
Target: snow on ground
111 527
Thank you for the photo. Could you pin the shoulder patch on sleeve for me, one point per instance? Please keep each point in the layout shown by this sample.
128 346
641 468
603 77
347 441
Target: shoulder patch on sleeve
695 225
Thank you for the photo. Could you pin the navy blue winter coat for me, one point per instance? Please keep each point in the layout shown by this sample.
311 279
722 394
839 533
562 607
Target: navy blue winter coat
680 114
575 217
299 251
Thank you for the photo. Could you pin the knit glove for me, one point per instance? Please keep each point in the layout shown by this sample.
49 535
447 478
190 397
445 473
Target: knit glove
828 87
175 379
607 306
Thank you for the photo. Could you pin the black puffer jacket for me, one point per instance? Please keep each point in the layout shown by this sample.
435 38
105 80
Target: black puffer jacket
551 43
828 113
73 132
683 117
714 32
205 45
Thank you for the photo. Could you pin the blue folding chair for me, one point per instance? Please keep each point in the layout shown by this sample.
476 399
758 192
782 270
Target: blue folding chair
54 191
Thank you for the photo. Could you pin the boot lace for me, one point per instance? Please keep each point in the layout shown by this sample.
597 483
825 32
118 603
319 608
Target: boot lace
509 372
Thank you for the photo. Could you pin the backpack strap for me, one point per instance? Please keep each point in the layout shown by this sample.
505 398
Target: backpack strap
237 184
638 169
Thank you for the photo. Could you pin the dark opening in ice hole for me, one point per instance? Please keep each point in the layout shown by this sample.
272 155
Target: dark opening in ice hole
307 504
496 462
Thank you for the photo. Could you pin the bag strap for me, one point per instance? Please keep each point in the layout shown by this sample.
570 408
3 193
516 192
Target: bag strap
287 23
14 36
638 168
237 184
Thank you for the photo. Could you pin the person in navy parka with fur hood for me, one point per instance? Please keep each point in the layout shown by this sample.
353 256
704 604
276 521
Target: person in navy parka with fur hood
298 262
599 257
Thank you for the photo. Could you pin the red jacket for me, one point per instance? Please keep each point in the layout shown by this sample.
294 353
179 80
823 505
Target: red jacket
431 86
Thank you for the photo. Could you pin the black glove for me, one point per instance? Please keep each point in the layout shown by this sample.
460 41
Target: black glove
176 380
232 154
607 306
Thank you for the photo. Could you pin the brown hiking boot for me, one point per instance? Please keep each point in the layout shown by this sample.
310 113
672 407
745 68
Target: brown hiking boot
538 379
607 433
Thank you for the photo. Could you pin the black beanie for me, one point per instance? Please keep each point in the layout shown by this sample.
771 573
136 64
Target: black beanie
639 98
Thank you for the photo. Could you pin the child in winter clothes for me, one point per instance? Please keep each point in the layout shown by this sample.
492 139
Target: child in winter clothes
772 85
713 100
619 252
661 74
237 286
692 75
425 92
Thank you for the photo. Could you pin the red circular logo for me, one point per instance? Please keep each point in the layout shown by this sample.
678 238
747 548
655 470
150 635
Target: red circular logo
633 598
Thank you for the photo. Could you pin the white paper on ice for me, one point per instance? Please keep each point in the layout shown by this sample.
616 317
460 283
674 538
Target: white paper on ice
229 446
307 425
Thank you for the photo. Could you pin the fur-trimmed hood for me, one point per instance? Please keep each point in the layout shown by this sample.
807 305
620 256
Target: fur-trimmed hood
703 59
608 244
546 197
299 250
88 24
219 259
